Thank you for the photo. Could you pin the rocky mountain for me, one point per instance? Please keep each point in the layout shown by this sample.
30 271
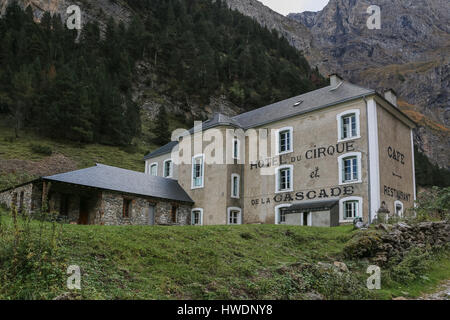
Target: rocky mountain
409 53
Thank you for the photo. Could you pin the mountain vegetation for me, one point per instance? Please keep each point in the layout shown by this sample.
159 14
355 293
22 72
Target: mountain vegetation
78 87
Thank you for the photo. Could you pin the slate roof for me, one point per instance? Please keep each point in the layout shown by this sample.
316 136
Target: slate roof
127 181
310 101
312 205
163 150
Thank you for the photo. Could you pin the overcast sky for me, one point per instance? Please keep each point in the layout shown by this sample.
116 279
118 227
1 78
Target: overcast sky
288 6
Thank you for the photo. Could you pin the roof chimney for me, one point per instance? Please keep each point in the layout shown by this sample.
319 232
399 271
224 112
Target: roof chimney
335 80
391 96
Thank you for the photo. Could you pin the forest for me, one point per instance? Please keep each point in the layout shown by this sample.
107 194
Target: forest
80 87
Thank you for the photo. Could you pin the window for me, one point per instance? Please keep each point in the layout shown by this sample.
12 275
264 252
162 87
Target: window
154 169
127 208
280 213
197 171
284 178
235 186
284 138
173 213
197 217
234 216
348 125
398 208
236 149
350 168
350 208
168 168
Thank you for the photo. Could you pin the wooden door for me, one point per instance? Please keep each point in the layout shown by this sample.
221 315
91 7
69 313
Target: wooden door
84 212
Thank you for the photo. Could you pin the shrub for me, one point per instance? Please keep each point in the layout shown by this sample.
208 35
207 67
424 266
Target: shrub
433 204
411 266
363 244
41 149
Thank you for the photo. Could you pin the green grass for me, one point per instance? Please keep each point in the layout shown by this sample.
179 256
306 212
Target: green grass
211 262
438 271
216 262
84 155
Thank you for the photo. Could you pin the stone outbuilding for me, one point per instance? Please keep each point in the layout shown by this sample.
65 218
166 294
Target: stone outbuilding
104 195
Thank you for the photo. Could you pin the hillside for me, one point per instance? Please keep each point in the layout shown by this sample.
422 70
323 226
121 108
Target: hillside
217 262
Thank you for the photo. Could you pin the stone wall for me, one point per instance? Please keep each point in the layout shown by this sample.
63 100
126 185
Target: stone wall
386 241
112 211
26 198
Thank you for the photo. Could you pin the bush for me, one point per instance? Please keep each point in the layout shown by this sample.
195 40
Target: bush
41 149
363 244
413 264
433 204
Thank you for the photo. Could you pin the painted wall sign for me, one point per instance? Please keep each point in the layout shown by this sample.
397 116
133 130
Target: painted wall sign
396 155
305 195
315 153
397 194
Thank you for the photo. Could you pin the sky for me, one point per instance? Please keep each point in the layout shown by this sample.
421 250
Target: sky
294 6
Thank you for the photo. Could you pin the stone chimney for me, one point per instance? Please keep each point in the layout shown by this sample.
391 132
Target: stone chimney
391 96
335 80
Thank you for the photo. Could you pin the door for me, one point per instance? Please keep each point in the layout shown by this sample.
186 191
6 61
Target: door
306 219
151 215
84 212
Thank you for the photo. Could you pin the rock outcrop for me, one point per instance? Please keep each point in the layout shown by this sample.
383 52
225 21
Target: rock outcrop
409 53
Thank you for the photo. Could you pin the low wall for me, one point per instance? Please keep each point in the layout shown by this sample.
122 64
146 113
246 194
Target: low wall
386 241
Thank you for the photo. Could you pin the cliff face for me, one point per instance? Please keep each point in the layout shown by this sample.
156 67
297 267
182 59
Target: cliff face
409 53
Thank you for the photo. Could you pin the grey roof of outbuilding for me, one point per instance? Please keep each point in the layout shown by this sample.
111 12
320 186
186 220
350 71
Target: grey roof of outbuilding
311 205
126 181
310 101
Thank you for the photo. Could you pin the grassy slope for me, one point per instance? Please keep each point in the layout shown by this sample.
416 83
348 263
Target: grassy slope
216 262
84 155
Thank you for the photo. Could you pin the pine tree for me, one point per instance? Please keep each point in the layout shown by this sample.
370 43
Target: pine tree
161 129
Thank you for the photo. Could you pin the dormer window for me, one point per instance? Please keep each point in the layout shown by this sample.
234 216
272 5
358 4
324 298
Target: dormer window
284 140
